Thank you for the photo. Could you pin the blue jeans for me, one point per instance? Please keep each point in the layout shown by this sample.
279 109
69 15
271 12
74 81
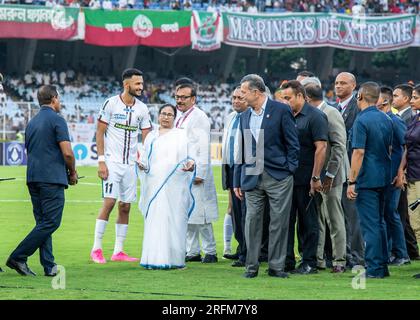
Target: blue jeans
48 204
370 204
394 228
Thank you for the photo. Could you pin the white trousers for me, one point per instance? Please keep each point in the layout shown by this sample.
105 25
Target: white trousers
207 239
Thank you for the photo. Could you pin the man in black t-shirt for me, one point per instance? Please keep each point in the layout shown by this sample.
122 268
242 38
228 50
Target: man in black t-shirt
312 125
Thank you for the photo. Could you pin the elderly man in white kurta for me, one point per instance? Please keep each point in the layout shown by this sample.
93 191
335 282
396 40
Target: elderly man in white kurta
197 124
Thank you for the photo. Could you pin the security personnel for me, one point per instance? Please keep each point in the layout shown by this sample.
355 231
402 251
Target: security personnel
370 174
51 167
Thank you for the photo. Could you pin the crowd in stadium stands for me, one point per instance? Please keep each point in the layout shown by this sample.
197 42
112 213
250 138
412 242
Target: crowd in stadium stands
82 95
339 6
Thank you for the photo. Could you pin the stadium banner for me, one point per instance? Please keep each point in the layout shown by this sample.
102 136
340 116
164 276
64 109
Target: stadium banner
361 33
1 154
138 27
36 22
86 154
206 31
14 154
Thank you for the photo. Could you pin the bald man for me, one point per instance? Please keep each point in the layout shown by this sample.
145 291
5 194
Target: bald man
345 84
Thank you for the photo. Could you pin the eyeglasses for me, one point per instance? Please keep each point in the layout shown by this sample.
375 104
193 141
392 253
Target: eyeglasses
181 97
167 115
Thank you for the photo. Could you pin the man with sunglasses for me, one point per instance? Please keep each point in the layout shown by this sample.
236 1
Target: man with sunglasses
51 168
197 125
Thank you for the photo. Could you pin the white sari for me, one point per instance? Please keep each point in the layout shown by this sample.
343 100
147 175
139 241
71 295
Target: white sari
166 199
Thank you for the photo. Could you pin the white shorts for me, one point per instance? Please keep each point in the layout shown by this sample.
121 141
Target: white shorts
121 183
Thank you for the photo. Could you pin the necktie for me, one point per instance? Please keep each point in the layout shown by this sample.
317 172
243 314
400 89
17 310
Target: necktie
233 129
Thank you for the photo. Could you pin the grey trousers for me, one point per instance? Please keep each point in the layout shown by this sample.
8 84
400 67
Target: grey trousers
279 195
354 238
331 213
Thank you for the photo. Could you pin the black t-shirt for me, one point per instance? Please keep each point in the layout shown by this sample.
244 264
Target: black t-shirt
45 159
312 125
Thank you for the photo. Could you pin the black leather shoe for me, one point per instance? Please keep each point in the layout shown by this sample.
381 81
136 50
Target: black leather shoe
288 269
1 270
231 256
416 258
196 258
238 263
21 267
304 269
209 258
50 272
250 274
416 276
400 262
278 274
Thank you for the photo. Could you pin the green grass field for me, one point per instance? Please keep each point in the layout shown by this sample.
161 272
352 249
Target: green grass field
114 280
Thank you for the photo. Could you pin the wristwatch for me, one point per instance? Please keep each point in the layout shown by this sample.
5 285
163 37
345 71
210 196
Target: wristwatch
350 183
315 179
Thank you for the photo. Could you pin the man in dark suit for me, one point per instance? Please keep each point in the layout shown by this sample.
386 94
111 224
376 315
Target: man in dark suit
51 167
228 160
268 157
345 84
401 101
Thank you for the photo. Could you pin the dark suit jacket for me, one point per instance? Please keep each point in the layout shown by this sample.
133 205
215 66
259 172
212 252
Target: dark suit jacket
349 117
407 116
280 145
350 114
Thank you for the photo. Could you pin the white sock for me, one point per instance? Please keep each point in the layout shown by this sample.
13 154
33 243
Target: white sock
120 235
99 233
227 232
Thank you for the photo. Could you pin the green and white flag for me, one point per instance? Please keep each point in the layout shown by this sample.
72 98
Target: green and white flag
206 31
34 22
305 30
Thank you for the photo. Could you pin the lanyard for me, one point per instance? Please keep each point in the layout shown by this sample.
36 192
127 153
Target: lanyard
184 117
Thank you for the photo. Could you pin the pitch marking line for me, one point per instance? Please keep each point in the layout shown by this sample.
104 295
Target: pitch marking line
120 291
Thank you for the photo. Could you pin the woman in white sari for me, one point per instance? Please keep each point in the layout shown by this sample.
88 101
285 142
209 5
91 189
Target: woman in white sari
166 199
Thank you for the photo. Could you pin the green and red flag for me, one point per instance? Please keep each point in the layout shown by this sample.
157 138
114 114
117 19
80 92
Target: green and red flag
206 30
138 27
36 22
